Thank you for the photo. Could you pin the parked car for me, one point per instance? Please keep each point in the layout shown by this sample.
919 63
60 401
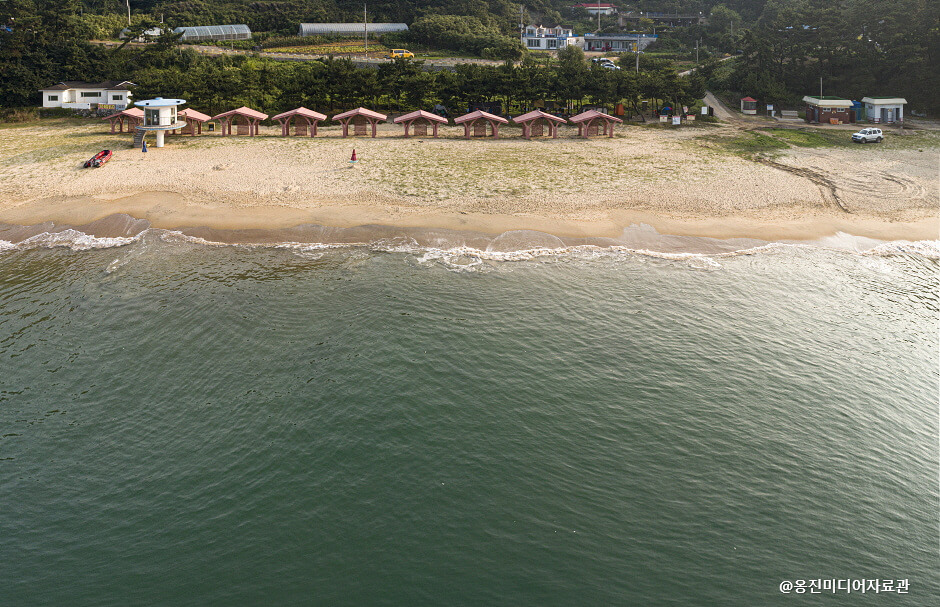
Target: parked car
602 60
868 135
399 52
609 66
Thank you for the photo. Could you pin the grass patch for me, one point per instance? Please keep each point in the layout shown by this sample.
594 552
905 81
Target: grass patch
750 144
806 138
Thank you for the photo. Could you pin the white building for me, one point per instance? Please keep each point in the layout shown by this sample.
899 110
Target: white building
618 43
76 95
161 115
595 8
539 38
884 109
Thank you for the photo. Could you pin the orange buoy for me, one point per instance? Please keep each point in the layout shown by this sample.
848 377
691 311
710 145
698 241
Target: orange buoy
353 159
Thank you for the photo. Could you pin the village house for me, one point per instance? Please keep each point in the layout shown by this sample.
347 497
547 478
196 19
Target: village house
829 110
78 95
618 43
597 8
884 109
633 18
540 38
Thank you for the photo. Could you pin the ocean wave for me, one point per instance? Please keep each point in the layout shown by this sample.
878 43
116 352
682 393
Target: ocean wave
462 257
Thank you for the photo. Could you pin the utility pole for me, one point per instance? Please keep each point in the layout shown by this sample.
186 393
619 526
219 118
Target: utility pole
128 12
598 16
696 52
820 87
365 25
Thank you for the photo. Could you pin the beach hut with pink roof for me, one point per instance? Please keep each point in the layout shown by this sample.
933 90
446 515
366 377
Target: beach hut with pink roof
305 122
591 122
360 118
133 116
194 121
476 122
420 121
248 125
533 124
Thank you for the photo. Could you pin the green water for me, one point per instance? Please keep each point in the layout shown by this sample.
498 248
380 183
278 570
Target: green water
189 425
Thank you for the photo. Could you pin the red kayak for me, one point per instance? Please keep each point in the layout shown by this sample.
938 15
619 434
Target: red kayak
98 159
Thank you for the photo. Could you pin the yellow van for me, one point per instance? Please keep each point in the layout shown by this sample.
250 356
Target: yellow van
399 52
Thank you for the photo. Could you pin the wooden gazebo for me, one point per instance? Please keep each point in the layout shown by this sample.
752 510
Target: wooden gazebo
194 121
249 126
133 116
305 122
360 118
419 121
477 121
591 122
533 124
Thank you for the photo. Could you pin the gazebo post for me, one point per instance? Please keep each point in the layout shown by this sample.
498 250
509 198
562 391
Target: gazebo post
435 125
374 124
495 127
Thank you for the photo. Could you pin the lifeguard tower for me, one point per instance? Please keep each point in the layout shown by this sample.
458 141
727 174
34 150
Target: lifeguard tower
160 116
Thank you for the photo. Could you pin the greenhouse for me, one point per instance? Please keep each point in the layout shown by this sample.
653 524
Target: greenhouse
214 32
349 29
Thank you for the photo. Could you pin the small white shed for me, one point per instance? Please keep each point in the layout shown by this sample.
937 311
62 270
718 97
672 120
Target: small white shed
884 109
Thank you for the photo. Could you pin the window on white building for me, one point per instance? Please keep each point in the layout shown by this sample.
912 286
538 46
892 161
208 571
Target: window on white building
53 97
84 95
533 43
117 97
552 44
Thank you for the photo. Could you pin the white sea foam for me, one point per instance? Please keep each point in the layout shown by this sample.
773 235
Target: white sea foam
464 258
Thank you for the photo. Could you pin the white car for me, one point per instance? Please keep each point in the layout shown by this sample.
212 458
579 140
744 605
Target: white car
868 135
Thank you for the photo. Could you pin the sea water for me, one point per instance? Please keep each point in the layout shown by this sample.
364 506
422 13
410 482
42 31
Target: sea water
189 424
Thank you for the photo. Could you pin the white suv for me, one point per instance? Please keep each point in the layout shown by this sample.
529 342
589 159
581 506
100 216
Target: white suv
868 135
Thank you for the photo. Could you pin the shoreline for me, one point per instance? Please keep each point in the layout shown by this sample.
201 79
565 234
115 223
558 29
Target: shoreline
121 216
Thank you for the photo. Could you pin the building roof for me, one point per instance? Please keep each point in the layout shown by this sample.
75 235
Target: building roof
301 111
827 101
593 5
132 112
214 31
585 116
312 29
480 114
360 111
159 102
536 114
242 111
884 100
419 114
191 113
108 85
748 99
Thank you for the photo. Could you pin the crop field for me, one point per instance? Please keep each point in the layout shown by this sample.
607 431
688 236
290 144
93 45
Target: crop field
330 48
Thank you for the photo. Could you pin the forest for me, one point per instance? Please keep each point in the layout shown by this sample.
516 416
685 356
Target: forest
780 50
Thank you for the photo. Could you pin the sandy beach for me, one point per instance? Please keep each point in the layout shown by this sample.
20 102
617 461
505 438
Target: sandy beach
680 182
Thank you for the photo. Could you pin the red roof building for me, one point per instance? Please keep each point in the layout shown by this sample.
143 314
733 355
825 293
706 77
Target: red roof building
305 122
194 121
132 116
361 118
533 124
478 121
248 125
420 121
591 122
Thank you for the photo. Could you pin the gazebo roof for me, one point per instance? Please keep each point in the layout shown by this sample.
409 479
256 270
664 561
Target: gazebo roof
480 114
748 99
536 114
420 114
133 112
242 111
191 113
301 111
585 116
360 111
